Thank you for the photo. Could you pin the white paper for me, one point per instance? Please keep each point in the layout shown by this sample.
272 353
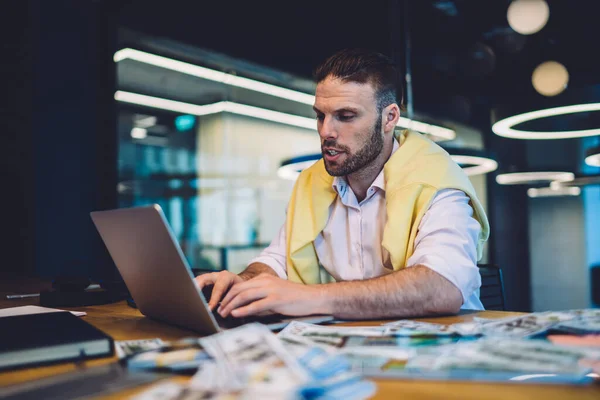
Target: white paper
26 310
250 358
409 328
125 348
162 391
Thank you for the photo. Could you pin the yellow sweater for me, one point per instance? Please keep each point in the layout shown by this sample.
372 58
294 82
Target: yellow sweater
413 175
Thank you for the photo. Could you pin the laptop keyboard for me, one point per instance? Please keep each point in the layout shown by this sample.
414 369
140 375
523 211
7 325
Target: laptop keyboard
233 322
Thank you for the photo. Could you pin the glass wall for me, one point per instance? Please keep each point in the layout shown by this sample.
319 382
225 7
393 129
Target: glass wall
156 163
208 152
204 135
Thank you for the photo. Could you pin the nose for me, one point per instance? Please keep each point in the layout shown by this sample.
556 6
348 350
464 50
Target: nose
327 129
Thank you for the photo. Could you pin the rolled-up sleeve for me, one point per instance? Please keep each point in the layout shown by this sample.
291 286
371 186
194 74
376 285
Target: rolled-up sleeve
447 241
274 255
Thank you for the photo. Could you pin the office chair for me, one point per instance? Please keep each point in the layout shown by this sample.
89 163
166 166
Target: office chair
492 287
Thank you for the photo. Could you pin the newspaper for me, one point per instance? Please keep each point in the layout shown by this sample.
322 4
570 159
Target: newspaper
127 348
365 339
184 355
534 324
417 328
522 355
252 358
177 391
247 363
376 365
326 337
580 326
308 361
579 321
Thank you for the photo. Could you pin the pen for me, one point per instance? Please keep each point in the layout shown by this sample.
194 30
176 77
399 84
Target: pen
24 296
21 296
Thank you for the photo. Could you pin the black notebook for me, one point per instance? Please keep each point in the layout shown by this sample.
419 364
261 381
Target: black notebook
28 340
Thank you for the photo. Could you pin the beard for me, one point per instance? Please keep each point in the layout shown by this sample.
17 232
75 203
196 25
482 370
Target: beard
363 157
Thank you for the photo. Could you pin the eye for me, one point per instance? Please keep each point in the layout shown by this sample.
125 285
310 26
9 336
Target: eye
320 117
345 117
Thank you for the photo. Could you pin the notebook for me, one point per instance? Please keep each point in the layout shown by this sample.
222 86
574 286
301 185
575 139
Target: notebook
28 340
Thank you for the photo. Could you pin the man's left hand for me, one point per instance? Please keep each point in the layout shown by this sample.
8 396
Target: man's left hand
266 294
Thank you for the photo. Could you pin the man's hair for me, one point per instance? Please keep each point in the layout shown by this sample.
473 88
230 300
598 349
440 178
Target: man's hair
364 66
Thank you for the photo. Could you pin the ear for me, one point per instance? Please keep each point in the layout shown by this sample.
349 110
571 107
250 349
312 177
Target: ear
391 114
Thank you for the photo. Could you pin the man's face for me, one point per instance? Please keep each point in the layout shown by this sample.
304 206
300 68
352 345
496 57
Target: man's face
348 124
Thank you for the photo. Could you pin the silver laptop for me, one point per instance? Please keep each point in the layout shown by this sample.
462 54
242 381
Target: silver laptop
157 274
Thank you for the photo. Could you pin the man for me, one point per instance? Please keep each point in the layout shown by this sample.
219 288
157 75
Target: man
390 216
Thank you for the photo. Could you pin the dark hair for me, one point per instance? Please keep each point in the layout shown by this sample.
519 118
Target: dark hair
364 66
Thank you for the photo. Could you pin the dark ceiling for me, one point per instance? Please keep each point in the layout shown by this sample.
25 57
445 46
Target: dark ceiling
465 57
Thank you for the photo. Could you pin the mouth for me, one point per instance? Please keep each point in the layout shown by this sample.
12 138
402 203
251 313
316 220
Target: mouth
331 154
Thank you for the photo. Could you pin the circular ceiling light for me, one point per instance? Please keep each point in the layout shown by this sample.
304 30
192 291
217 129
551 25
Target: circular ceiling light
550 78
504 127
527 16
593 157
520 178
550 192
474 165
290 169
583 180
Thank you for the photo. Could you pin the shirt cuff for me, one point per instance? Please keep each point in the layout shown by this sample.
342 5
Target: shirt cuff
271 263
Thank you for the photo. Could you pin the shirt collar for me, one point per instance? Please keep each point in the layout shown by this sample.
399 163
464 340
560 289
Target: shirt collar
340 184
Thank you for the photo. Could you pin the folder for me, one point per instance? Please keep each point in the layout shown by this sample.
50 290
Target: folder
36 339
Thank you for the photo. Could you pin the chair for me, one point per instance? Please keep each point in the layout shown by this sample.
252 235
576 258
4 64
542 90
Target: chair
492 287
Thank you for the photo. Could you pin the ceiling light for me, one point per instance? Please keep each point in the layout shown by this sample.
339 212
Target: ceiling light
222 106
213 75
550 192
583 180
184 122
290 169
527 16
433 130
477 165
519 178
593 157
139 133
269 115
250 84
145 121
472 161
550 78
504 127
170 105
257 112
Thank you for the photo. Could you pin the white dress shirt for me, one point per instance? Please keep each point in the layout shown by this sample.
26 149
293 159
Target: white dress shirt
349 247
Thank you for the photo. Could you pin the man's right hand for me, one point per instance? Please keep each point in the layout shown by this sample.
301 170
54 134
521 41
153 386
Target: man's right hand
222 281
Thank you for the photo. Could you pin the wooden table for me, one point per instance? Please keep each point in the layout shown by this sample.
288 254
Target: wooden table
125 323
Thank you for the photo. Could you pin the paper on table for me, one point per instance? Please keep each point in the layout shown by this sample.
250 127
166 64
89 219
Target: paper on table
249 358
25 310
126 348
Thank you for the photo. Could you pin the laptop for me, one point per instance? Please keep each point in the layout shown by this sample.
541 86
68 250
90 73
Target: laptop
146 253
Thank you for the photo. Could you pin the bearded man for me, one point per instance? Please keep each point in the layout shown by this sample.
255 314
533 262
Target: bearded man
388 215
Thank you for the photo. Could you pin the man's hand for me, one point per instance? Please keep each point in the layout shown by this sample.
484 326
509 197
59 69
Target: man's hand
269 294
224 280
221 282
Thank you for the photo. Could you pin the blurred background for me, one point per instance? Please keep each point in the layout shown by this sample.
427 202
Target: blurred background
206 109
